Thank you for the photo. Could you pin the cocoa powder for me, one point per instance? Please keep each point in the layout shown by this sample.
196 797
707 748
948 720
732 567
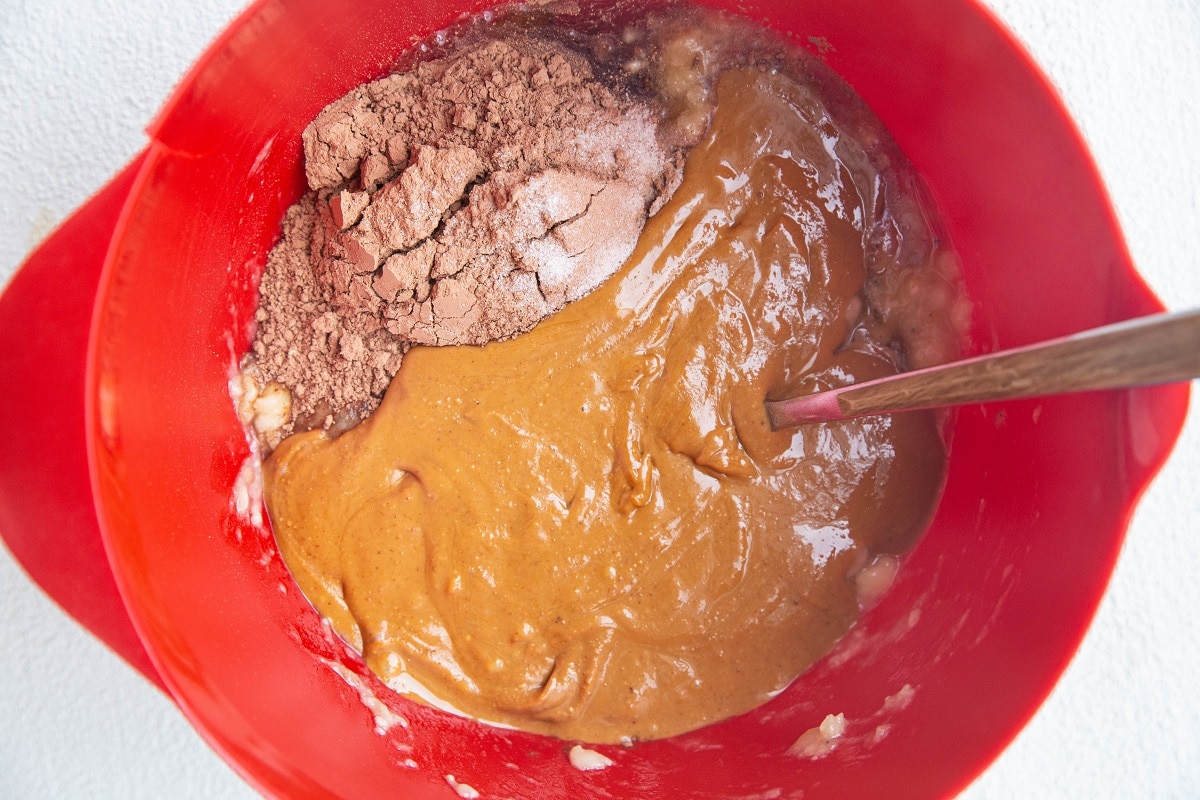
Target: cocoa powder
458 203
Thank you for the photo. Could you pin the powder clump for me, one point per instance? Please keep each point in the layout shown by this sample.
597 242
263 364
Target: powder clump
460 202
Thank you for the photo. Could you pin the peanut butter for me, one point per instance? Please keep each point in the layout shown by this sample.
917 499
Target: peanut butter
590 530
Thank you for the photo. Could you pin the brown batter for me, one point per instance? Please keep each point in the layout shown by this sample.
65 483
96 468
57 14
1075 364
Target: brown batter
589 530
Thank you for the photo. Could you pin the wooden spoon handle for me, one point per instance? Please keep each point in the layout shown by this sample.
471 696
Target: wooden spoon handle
1163 348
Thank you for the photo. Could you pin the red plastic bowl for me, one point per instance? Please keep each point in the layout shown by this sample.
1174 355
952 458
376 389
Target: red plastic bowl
987 611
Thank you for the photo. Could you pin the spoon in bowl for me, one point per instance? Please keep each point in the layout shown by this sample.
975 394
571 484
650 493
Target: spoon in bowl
1161 348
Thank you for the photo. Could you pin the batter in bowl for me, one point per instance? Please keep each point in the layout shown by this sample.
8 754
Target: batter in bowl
589 530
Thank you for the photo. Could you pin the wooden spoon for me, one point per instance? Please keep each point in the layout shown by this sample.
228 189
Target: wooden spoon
1163 348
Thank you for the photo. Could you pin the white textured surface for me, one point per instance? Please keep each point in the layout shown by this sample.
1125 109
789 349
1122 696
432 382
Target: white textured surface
78 81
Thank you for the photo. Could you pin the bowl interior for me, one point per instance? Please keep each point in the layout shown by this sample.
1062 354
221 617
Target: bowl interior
988 609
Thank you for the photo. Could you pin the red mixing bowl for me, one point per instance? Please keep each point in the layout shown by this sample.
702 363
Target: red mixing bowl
986 613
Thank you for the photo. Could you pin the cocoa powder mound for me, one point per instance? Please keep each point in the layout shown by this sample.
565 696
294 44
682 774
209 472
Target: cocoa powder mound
459 203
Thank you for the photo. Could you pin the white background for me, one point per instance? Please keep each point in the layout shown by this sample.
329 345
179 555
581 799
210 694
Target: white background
79 80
